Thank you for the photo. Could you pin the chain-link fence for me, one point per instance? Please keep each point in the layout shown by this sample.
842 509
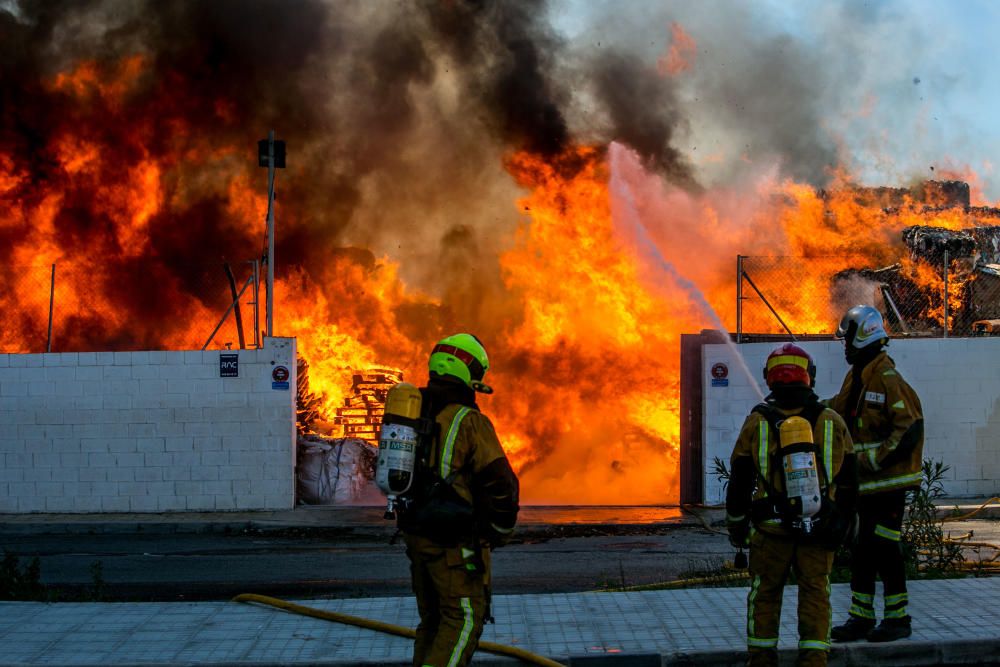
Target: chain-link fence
808 295
80 306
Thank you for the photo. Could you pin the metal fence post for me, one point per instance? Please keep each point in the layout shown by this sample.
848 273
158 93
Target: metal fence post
256 304
945 293
52 296
739 298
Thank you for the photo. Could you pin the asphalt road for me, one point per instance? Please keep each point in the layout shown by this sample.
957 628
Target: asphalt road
314 563
347 554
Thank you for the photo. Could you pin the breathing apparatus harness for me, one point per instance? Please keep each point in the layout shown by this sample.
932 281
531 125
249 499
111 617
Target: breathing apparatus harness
422 501
807 513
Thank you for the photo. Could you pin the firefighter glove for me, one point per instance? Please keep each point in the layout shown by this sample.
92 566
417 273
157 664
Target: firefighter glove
739 534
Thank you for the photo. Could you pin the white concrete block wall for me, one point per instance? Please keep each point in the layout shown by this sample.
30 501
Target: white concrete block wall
957 379
146 431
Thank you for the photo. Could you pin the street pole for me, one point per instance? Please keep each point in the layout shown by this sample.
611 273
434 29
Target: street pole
270 154
270 233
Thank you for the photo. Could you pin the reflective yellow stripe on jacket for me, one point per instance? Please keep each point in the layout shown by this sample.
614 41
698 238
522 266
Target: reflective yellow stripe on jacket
449 443
828 450
762 451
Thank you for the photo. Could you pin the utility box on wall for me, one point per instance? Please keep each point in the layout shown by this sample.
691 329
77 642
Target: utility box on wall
148 431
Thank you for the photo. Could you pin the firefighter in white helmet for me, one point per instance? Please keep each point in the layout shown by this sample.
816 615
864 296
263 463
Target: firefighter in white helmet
464 501
887 424
791 496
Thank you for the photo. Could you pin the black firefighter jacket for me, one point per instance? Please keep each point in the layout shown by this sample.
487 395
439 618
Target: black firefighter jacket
886 423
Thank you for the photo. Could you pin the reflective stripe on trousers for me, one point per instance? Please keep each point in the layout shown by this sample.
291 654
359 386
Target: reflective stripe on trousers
908 479
771 560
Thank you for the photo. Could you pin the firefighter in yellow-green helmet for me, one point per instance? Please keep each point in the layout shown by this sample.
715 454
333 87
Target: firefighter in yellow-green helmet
464 504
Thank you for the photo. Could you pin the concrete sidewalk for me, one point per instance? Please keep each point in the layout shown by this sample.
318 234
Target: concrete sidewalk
955 620
955 623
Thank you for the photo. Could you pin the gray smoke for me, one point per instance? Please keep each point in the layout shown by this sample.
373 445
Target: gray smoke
397 117
793 84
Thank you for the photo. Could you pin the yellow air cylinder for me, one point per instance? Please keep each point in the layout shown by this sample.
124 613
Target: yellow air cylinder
801 472
398 443
794 431
404 401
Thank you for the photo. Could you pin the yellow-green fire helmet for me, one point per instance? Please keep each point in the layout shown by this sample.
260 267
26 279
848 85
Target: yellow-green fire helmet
461 356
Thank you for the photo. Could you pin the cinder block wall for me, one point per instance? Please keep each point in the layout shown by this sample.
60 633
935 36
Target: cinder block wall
146 431
957 379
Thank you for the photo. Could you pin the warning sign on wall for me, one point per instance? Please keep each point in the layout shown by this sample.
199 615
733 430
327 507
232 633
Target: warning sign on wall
720 375
279 377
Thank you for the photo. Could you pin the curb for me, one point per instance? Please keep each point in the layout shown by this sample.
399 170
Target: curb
898 654
367 522
239 527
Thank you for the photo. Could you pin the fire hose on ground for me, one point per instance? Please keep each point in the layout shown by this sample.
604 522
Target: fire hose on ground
990 565
388 628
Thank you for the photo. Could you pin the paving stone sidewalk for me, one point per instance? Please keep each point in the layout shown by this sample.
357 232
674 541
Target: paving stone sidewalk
955 623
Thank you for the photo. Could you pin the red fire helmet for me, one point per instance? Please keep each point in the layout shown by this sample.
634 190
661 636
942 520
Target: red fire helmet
789 365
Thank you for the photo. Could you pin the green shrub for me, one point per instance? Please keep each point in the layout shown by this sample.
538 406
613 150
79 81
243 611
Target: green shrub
19 582
928 554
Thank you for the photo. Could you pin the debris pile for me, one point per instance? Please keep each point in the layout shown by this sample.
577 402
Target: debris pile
336 471
341 470
929 194
929 244
911 292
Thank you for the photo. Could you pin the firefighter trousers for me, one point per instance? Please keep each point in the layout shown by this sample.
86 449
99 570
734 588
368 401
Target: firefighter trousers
771 559
878 553
451 586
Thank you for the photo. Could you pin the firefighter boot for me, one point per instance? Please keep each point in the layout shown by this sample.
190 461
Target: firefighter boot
891 629
762 658
855 629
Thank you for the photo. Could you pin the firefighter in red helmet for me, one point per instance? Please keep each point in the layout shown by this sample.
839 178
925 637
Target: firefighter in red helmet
791 496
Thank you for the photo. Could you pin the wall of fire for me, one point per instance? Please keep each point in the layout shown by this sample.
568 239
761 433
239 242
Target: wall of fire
957 379
148 431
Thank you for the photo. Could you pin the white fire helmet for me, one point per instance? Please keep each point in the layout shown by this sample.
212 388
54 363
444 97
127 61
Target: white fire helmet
868 327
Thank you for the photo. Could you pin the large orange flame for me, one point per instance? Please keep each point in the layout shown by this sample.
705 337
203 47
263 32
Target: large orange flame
597 285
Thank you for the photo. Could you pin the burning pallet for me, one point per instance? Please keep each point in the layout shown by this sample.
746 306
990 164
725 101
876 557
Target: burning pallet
361 414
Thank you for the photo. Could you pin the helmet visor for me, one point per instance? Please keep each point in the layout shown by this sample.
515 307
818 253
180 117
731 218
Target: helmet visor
787 369
476 370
